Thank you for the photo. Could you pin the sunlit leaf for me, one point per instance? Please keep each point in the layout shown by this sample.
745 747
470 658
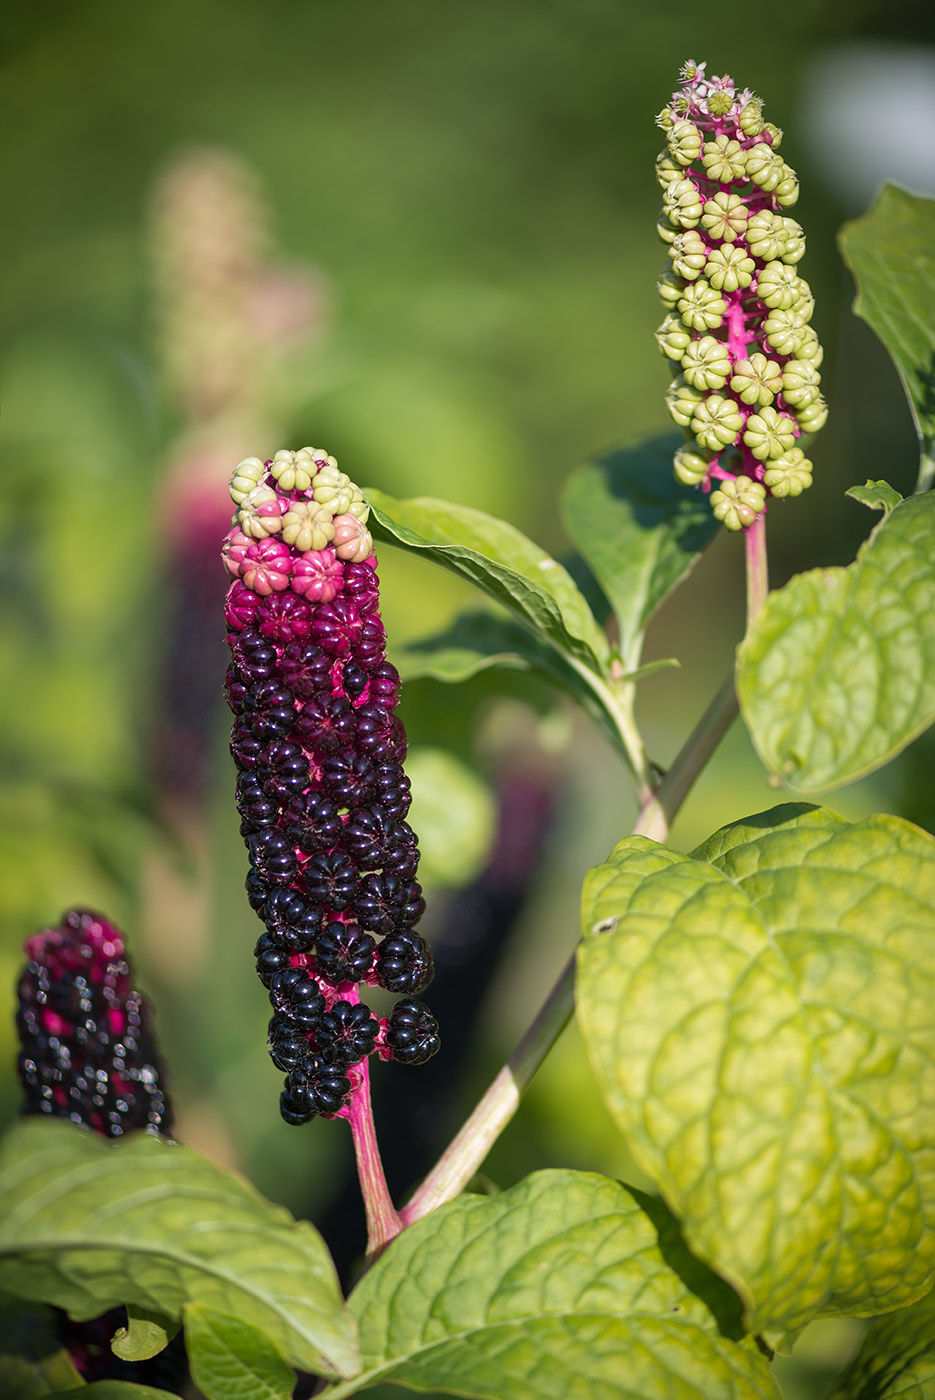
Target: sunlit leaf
231 1360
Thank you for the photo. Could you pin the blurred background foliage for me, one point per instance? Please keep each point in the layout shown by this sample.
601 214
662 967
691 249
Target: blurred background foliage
421 236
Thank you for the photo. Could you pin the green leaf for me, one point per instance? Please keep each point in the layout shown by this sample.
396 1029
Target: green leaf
837 675
639 529
147 1333
454 812
876 495
761 1018
897 1358
891 252
33 1362
112 1390
232 1360
563 1286
89 1224
499 559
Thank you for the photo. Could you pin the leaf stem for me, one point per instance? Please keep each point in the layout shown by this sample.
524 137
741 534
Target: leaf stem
383 1223
464 1155
617 700
757 568
926 478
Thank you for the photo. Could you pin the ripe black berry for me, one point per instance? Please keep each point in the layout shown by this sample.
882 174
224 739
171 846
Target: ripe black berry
370 647
350 779
312 822
326 723
313 1087
273 858
305 669
343 953
291 921
283 767
284 617
287 1045
404 963
296 997
387 904
253 653
271 958
412 1033
346 1033
331 879
353 679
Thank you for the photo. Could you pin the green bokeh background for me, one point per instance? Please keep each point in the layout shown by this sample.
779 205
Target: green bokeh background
475 182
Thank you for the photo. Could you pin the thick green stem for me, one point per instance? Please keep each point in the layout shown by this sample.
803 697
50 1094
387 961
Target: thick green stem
464 1155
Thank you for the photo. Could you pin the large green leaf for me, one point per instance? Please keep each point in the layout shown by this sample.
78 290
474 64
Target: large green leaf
499 559
112 1390
33 1362
838 672
897 1358
88 1224
761 1017
638 528
891 252
230 1360
562 1288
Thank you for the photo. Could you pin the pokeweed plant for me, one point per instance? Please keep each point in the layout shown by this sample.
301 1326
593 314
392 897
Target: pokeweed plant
759 1013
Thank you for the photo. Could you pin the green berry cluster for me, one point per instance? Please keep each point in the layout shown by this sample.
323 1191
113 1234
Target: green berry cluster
745 359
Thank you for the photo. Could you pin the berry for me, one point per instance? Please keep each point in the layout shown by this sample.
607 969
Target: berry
296 997
257 809
271 958
287 1045
292 921
350 778
346 1033
412 1033
387 904
253 654
343 953
283 617
404 963
313 1087
369 834
312 822
354 679
272 856
326 723
258 890
331 879
369 648
283 767
337 625
306 669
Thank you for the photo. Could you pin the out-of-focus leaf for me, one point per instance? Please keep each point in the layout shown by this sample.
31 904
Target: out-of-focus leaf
638 528
837 674
232 1360
88 1224
761 1018
499 559
565 1285
453 812
112 1390
875 495
891 252
897 1358
33 1362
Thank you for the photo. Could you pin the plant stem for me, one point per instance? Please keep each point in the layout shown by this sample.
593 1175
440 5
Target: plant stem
464 1155
757 568
926 472
383 1223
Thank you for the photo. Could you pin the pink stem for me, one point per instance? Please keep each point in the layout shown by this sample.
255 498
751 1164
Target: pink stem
757 568
383 1223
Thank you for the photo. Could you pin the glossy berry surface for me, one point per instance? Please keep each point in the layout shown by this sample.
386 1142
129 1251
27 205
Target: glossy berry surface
412 1033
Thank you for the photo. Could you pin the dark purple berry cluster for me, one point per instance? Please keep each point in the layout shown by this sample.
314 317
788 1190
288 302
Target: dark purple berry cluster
88 1051
321 790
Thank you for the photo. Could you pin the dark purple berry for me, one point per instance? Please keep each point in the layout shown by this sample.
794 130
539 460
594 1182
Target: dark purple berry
296 997
284 617
404 963
369 648
272 709
412 1033
291 920
343 953
346 1033
287 1045
253 653
325 723
312 821
306 669
257 809
313 1087
369 834
385 685
283 767
273 857
271 958
337 625
387 904
392 789
258 889
350 779
362 586
353 679
236 688
331 879
245 745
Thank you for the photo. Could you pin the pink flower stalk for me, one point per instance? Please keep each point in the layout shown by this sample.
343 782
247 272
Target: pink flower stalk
88 1050
321 789
744 356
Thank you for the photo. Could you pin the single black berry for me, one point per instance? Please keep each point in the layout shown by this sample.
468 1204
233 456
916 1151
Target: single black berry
404 963
346 1033
306 669
296 997
271 958
287 1044
313 1087
387 904
350 779
272 856
412 1032
343 953
312 822
291 920
326 723
331 879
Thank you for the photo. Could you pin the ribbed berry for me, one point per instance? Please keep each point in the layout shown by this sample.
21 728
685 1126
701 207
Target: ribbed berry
321 791
404 963
412 1033
346 1033
87 1046
343 953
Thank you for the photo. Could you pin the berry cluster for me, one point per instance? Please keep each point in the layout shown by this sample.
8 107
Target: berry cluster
321 789
88 1051
744 356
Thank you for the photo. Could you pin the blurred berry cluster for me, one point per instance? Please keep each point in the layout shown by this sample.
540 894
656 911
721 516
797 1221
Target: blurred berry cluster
321 789
87 1048
744 357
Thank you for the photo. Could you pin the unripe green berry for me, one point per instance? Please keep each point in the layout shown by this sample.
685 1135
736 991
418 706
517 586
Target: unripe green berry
756 381
728 269
809 347
813 417
724 159
689 254
800 381
665 228
706 363
769 129
764 166
691 467
766 235
684 142
701 307
725 217
670 286
716 422
667 168
783 331
768 434
293 470
750 120
247 476
682 400
307 525
786 191
779 286
788 475
259 513
672 337
333 490
738 503
682 203
795 242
